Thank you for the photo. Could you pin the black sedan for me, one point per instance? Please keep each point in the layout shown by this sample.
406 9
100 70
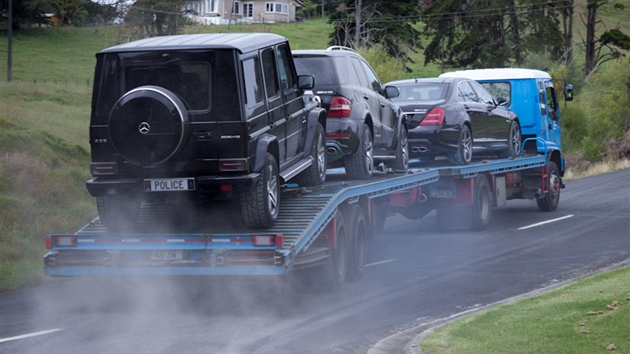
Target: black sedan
455 117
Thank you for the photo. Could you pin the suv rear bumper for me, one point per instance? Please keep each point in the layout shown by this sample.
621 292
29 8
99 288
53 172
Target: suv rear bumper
98 187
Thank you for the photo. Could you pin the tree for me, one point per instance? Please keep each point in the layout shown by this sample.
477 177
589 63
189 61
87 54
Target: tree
157 17
489 33
606 47
366 23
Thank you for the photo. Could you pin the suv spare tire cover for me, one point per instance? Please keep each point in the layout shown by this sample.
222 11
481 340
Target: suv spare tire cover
148 125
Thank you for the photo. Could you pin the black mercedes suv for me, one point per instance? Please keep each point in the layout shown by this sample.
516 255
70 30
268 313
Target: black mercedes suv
197 118
364 127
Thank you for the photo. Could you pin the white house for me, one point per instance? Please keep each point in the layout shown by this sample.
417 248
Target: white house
222 12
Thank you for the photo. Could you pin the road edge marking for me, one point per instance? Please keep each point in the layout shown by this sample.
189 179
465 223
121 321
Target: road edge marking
29 335
544 222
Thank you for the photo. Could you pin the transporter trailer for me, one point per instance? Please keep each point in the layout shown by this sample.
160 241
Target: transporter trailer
323 231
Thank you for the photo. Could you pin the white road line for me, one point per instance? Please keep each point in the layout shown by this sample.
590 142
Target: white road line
381 262
34 334
544 222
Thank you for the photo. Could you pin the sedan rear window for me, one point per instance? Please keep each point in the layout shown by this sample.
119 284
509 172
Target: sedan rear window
422 92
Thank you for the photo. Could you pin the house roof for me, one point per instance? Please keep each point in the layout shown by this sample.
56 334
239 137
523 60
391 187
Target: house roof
243 42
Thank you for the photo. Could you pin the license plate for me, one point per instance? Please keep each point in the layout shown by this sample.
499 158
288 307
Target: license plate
169 184
442 192
166 255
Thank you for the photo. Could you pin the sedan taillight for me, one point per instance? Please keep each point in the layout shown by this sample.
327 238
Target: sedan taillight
340 107
435 117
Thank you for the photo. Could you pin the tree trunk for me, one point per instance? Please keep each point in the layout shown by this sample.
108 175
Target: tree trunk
591 18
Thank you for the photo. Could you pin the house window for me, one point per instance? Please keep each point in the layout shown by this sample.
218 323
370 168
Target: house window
276 7
236 8
211 6
248 10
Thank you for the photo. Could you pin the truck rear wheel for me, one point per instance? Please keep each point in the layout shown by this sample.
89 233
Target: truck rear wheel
552 198
475 217
335 270
482 205
261 203
357 242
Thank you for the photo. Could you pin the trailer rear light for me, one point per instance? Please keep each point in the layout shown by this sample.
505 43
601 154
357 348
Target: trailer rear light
435 117
61 241
267 240
340 107
225 188
103 168
233 165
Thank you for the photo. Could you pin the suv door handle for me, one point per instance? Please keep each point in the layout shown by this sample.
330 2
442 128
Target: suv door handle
366 97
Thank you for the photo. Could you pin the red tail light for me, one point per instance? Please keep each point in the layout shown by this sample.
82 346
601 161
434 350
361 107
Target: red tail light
435 117
339 107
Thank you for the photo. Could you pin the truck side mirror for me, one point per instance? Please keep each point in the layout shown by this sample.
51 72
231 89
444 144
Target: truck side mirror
568 92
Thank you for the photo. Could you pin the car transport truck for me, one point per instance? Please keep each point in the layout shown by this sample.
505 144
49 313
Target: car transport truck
321 231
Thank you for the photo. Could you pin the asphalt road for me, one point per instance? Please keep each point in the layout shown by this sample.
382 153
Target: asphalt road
416 277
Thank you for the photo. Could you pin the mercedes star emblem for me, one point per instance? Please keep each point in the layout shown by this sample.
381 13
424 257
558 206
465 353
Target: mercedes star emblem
144 128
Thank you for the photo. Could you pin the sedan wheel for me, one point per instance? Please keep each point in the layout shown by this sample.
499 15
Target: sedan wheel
514 140
463 155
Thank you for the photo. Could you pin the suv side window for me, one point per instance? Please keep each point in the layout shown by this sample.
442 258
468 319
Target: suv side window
271 75
374 82
253 85
287 79
465 93
363 81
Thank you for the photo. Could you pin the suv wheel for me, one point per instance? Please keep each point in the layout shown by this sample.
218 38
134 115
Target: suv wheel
148 125
260 205
315 175
360 165
402 151
463 155
118 212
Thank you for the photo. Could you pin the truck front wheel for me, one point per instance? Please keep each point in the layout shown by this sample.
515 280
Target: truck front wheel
550 201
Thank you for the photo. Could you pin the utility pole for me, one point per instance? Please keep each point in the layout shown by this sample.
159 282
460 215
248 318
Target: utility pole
10 43
357 25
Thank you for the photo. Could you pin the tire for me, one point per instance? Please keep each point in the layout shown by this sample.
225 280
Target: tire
315 175
482 204
360 165
463 155
514 140
335 270
401 163
357 243
118 212
148 125
552 198
380 216
261 203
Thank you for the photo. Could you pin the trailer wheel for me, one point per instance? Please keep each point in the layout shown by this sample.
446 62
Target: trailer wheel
335 269
315 175
357 243
118 212
261 203
482 205
552 198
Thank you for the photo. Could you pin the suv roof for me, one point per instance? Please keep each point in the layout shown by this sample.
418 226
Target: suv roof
243 42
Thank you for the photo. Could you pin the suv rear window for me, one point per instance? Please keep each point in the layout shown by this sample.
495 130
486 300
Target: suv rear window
318 66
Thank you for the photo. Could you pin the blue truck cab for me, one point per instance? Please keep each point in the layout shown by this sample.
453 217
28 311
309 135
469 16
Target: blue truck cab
532 96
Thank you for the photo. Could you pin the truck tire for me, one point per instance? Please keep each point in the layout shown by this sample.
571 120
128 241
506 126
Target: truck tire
401 162
463 155
357 243
336 267
550 201
360 165
261 203
315 175
118 212
482 204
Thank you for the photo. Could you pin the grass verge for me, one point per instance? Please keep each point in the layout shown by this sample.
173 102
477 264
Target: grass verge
588 316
